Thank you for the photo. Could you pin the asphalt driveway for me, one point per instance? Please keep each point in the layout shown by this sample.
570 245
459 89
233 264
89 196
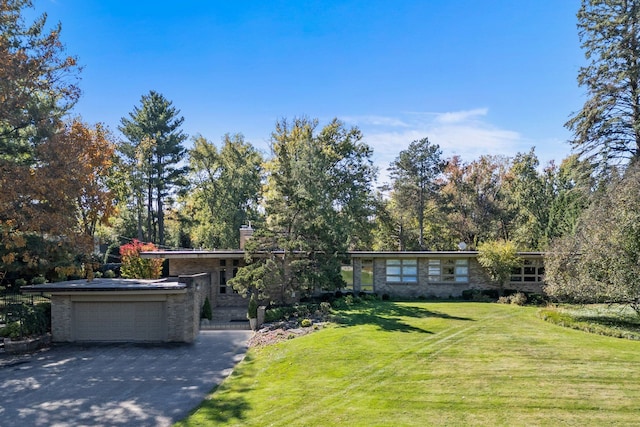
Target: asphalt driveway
115 385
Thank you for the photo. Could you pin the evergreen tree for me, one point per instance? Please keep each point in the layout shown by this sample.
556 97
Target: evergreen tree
607 128
415 173
153 153
318 202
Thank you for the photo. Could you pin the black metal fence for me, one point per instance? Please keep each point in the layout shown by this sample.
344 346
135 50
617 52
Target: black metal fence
21 314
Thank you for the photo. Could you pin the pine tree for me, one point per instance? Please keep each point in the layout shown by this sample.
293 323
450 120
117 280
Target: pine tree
607 128
154 151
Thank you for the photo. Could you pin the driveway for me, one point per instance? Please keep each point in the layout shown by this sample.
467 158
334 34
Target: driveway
115 385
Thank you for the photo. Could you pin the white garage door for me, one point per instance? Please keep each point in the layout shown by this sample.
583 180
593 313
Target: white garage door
119 321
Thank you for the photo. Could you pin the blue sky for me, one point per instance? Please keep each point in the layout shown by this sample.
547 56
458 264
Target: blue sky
475 76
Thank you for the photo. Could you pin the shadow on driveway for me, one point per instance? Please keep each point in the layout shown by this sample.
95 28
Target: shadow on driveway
116 385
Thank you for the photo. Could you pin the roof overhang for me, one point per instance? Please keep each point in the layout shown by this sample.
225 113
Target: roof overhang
129 286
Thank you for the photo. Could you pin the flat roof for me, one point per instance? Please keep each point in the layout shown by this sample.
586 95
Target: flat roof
103 284
215 254
427 254
193 254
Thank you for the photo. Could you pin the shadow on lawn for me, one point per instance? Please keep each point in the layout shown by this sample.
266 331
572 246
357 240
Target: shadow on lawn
388 316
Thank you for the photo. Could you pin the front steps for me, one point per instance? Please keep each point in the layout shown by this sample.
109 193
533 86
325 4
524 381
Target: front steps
225 318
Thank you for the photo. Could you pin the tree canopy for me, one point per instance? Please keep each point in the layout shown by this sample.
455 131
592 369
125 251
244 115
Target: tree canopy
607 128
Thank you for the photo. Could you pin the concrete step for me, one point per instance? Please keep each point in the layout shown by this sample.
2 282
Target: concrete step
232 325
228 314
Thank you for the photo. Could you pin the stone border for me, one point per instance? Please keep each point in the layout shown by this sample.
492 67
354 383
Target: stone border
26 346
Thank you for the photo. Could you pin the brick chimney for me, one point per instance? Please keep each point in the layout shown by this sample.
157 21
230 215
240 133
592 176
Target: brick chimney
245 234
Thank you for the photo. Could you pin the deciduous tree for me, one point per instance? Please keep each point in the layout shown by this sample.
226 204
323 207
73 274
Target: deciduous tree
318 201
226 187
599 263
499 258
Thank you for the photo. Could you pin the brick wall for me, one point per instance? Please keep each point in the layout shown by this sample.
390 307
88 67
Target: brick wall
60 318
187 316
478 279
210 266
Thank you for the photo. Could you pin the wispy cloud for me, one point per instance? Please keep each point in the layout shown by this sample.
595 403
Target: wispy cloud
461 116
466 133
375 121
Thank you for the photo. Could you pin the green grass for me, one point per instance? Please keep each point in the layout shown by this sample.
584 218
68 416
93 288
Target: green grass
416 364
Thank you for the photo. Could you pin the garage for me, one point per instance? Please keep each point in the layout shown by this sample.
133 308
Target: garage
126 310
119 321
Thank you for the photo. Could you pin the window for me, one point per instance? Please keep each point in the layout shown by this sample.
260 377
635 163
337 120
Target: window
366 275
402 270
223 279
346 271
223 274
531 271
448 270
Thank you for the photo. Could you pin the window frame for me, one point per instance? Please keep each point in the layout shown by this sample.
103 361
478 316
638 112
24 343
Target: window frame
401 270
531 271
448 270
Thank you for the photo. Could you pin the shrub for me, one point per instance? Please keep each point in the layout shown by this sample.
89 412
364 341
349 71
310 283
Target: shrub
305 323
206 310
518 298
20 282
38 280
134 267
34 320
325 307
385 297
97 274
109 274
12 330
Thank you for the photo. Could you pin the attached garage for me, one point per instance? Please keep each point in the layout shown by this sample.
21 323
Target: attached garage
125 310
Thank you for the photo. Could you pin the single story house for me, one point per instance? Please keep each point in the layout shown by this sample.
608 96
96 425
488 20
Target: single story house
437 274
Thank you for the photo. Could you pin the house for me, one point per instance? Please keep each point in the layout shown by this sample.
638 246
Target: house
436 274
168 310
431 274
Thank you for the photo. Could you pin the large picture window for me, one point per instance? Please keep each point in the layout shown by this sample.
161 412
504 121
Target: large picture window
448 270
402 270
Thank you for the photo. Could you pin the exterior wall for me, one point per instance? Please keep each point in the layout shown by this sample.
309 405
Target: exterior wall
211 266
61 318
478 279
357 274
184 319
422 288
182 309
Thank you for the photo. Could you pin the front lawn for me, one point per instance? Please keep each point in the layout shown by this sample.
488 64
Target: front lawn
406 364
